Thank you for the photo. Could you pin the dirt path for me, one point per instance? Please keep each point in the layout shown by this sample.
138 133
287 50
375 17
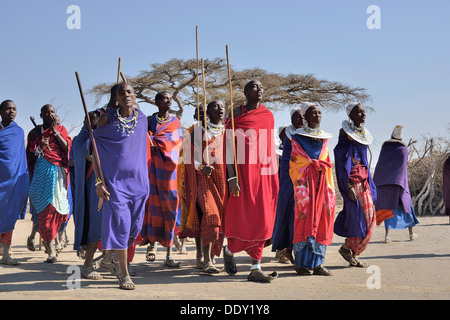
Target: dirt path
403 270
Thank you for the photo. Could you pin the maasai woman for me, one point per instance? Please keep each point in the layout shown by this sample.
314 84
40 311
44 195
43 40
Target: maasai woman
13 178
394 205
48 150
251 204
357 219
205 188
162 208
314 196
283 231
121 138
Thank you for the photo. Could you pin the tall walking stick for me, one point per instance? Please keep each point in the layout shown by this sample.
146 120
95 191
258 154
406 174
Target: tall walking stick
198 81
95 157
232 115
118 70
204 110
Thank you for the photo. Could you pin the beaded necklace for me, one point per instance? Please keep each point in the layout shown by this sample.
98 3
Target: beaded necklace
127 125
214 130
162 120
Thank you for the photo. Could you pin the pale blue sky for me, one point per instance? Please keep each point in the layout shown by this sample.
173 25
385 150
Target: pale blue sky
404 65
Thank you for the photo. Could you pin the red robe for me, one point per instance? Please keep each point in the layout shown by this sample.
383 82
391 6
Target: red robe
250 217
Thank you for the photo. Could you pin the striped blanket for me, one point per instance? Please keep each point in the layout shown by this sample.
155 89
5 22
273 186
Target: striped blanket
162 205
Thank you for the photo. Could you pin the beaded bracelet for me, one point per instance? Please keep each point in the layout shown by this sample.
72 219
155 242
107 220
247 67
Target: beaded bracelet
99 181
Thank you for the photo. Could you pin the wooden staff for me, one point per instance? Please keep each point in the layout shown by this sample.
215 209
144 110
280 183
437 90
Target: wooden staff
95 157
32 120
204 110
118 70
232 115
198 81
123 77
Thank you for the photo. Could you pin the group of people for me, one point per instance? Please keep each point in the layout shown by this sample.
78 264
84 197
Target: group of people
144 181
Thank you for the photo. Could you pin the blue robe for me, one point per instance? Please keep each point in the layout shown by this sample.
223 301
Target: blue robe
350 222
283 230
87 218
14 182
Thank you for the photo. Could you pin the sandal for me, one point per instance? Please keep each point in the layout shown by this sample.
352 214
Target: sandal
321 271
151 253
412 236
30 244
302 271
169 262
110 266
125 282
360 264
287 254
210 268
347 255
90 273
387 240
51 259
259 276
229 261
9 261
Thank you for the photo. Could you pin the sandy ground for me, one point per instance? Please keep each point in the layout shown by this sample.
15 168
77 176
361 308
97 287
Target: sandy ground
403 270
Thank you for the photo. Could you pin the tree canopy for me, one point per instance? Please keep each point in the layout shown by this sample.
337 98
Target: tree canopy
179 77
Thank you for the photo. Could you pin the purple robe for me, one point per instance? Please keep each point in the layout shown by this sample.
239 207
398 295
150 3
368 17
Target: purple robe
391 177
123 159
350 222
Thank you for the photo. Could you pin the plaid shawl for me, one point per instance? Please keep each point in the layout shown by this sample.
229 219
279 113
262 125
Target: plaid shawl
204 195
359 179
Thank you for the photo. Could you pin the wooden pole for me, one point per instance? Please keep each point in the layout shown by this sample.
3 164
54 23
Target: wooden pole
96 159
204 110
198 81
118 70
232 115
123 77
32 120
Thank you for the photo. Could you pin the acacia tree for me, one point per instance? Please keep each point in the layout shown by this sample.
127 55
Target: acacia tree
180 78
427 156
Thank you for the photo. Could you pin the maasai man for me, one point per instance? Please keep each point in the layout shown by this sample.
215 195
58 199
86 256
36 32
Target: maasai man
446 186
121 138
283 231
251 205
394 205
161 210
357 219
87 218
314 196
205 188
13 178
48 150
